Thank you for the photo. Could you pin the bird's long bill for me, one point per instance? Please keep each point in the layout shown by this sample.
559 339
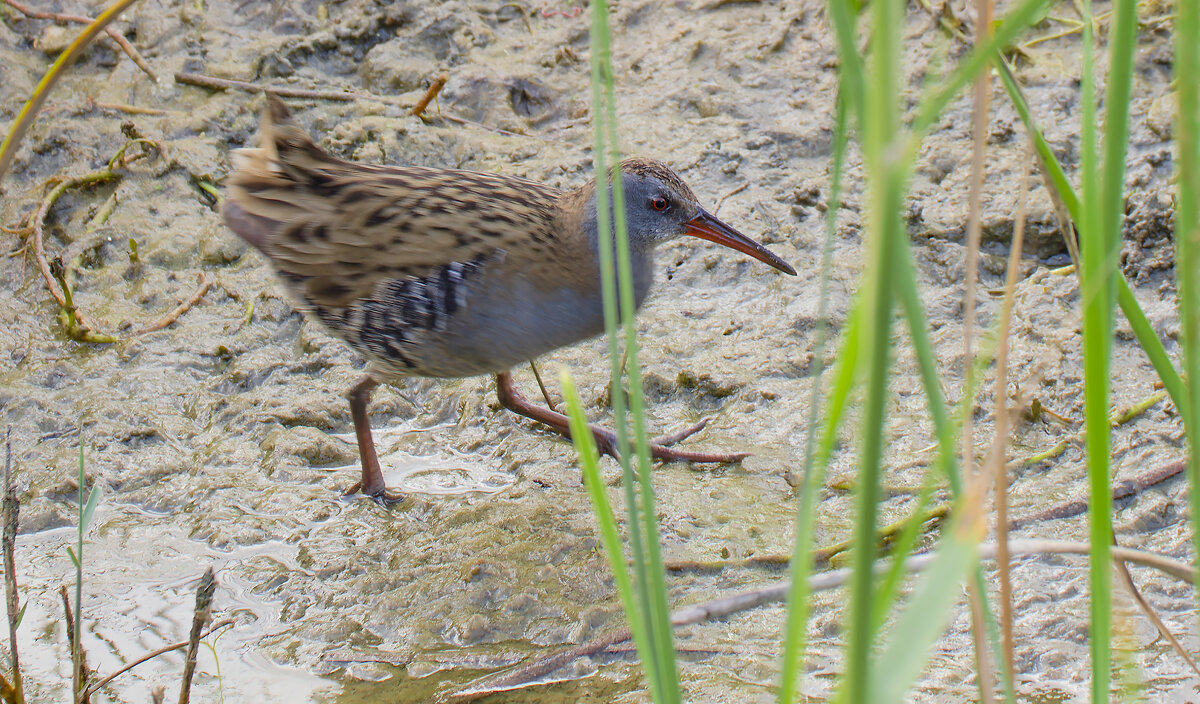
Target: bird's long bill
707 227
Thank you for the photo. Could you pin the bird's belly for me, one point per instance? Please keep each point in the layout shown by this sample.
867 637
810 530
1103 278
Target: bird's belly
506 316
494 333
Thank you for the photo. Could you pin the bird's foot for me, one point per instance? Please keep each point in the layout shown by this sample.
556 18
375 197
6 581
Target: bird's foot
382 493
606 440
606 443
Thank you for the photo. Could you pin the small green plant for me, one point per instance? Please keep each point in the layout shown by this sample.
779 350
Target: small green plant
87 509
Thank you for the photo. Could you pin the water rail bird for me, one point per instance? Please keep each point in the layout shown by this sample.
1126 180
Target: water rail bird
448 273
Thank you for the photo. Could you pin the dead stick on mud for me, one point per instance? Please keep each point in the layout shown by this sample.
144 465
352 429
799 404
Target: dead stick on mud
85 329
202 81
116 36
12 509
206 282
1123 489
93 104
434 89
743 601
78 657
155 653
734 192
201 617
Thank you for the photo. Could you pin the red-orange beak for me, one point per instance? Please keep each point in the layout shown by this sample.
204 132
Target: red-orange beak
708 227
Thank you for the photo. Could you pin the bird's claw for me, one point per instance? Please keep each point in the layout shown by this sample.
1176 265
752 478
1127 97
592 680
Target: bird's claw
385 494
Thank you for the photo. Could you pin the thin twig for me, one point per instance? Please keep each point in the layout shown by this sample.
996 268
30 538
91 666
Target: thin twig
1151 614
116 36
206 282
1121 490
12 510
734 192
524 675
83 328
81 695
201 616
202 81
92 103
431 94
39 223
155 653
998 459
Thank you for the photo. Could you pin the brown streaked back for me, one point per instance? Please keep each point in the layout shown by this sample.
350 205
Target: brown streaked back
334 229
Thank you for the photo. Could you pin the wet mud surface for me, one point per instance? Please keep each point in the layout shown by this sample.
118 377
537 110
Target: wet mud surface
223 439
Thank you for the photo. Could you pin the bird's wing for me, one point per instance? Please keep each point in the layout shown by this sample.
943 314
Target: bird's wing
337 229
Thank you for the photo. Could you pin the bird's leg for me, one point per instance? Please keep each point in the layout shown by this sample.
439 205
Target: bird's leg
372 476
606 441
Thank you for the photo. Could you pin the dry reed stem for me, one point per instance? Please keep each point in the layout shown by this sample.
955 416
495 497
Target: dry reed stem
523 675
79 670
13 691
201 617
976 492
205 282
116 36
1152 615
997 459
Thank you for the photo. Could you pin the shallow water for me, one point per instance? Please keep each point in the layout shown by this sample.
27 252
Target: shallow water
224 441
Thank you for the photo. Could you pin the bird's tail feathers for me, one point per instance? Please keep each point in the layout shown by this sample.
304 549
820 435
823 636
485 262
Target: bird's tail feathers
285 159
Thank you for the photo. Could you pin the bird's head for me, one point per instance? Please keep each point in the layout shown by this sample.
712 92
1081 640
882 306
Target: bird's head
659 207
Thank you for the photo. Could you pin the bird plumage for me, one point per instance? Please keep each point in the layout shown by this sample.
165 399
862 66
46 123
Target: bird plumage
450 273
421 269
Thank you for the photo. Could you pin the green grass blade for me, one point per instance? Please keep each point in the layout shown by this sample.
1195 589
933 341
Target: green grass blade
923 618
89 509
606 520
1016 21
796 625
1187 229
617 285
914 313
1147 339
885 187
21 125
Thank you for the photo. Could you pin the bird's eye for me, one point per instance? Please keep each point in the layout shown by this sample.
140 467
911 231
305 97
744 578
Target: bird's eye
659 203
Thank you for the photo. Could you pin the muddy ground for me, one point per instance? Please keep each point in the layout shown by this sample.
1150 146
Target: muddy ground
222 440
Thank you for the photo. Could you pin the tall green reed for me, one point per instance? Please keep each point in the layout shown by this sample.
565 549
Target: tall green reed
869 97
1187 228
645 599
